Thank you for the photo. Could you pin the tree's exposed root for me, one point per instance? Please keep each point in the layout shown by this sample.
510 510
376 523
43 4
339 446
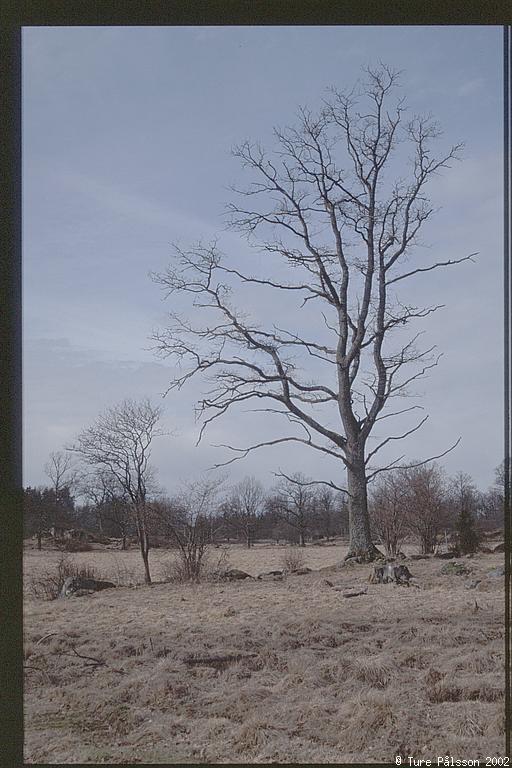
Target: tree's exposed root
364 555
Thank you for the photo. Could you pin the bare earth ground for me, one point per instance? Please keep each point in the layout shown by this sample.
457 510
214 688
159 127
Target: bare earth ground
415 672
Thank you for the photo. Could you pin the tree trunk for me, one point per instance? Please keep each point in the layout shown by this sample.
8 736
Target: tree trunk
99 518
143 543
302 539
360 543
39 545
144 550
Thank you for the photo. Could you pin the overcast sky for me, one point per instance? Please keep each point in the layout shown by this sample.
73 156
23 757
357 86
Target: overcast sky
127 135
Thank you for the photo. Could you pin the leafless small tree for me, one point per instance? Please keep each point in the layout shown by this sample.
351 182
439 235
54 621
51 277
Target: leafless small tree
464 500
389 510
51 505
242 507
426 503
109 499
61 471
341 206
293 499
328 512
493 500
188 520
119 444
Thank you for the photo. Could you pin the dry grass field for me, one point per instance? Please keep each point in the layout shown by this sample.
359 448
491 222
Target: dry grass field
313 677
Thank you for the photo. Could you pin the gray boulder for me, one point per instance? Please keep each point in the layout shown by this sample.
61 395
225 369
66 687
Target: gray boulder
497 572
76 586
271 576
451 555
235 575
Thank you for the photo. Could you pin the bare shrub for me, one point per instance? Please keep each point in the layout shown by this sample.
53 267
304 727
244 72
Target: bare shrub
190 527
48 585
293 559
177 570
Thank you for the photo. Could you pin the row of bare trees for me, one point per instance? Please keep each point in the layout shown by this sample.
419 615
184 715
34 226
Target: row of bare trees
423 503
117 482
293 509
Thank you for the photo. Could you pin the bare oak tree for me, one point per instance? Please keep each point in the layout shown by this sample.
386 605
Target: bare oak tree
339 206
119 443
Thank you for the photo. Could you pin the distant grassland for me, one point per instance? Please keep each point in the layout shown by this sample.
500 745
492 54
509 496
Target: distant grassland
309 676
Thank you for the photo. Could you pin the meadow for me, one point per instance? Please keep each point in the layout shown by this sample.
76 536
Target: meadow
264 671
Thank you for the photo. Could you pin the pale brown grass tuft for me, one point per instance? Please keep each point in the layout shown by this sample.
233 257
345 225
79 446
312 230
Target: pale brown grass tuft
374 670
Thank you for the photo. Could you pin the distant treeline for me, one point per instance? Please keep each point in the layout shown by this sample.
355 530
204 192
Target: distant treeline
421 504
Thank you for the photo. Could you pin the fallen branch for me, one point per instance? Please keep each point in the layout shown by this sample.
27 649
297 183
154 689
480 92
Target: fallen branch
213 660
356 594
94 662
98 662
347 587
45 637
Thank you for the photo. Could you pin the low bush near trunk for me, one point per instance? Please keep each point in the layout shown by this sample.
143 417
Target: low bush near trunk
48 585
